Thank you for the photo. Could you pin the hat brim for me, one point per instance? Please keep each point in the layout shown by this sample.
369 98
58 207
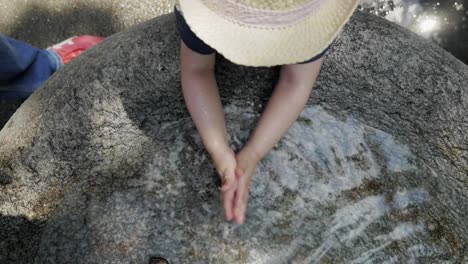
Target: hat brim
254 46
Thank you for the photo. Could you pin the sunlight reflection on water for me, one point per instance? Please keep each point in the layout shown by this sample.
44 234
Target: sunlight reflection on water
443 22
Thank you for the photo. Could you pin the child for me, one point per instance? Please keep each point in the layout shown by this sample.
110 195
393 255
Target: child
295 34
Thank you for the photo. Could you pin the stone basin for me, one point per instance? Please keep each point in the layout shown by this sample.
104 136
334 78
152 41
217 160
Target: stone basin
104 165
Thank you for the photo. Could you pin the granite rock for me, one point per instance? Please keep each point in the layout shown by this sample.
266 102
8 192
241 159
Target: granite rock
103 163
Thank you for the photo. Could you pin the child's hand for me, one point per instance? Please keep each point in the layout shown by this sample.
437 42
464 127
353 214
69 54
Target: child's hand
245 170
225 162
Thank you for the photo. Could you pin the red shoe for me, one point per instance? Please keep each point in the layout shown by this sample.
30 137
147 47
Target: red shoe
74 46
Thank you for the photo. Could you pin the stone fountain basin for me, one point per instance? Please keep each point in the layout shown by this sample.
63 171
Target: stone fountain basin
103 163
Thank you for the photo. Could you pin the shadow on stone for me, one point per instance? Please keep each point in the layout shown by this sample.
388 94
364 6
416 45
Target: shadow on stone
43 27
7 109
19 239
5 178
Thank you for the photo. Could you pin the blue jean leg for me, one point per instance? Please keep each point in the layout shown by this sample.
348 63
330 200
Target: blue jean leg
23 68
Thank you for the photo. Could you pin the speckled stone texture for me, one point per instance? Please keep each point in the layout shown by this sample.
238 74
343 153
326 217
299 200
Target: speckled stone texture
103 163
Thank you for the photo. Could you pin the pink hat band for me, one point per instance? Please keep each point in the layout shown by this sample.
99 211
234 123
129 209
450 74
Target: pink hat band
250 16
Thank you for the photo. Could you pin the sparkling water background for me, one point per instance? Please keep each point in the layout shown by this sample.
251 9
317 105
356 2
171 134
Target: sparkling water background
442 21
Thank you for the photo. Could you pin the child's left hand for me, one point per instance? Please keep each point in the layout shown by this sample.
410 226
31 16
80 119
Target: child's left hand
245 170
225 163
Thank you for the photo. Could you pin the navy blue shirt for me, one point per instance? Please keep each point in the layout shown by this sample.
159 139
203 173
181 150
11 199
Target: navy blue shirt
197 45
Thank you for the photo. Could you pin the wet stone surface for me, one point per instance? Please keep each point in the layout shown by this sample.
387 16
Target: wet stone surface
111 169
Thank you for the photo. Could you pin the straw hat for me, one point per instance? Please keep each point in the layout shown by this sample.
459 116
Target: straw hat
267 32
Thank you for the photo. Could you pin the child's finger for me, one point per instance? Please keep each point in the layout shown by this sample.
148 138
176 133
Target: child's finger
239 218
239 172
241 208
227 204
238 204
244 207
229 183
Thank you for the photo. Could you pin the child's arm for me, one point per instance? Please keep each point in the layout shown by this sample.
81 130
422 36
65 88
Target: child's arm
204 104
287 102
202 98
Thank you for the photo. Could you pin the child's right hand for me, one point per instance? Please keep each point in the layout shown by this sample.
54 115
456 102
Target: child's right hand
225 162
